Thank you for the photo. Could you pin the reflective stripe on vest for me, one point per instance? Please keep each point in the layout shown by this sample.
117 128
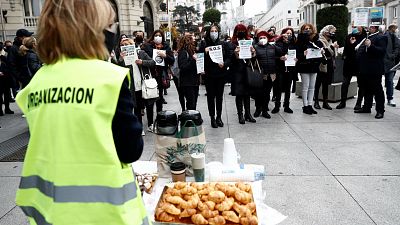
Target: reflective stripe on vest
115 196
40 220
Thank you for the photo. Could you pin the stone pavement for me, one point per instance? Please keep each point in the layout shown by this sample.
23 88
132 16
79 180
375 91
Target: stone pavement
333 168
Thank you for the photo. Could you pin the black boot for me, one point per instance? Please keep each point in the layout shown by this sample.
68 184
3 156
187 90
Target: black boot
213 123
257 113
8 111
286 108
276 108
325 105
248 117
219 121
316 104
247 114
265 114
306 110
312 110
241 118
342 105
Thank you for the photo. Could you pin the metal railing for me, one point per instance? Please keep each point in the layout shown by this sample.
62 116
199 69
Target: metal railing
31 21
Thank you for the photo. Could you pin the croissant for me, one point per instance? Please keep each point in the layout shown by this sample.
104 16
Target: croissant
163 216
218 220
171 209
199 219
202 206
243 211
205 198
197 186
231 216
205 191
188 205
226 205
174 200
243 186
253 220
180 185
188 190
209 213
187 213
216 196
251 206
210 205
243 197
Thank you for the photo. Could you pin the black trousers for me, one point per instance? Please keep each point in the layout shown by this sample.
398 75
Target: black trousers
373 87
215 95
262 99
191 93
324 80
5 92
180 94
345 90
282 83
242 100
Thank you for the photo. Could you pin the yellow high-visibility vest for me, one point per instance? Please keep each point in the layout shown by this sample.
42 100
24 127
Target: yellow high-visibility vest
72 174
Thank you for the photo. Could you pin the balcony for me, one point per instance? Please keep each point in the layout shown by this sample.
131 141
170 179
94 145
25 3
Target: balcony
31 21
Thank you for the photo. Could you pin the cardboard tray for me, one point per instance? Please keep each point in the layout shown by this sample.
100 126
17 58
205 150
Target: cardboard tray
178 221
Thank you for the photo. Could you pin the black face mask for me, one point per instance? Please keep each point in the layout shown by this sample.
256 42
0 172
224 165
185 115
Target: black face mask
110 40
7 48
241 34
139 39
307 32
290 37
332 36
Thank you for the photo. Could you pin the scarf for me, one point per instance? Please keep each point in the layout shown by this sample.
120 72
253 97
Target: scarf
327 45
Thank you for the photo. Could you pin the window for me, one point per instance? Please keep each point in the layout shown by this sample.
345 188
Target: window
289 23
394 12
289 11
298 22
32 8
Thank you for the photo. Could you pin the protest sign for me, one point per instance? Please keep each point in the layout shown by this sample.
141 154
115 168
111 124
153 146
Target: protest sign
245 50
216 54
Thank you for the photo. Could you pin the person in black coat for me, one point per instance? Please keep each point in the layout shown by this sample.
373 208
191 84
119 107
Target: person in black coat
392 53
267 56
215 74
157 42
308 68
350 67
239 86
285 74
28 50
189 79
370 57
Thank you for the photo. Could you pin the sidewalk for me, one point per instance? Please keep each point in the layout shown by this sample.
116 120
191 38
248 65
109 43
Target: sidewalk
333 168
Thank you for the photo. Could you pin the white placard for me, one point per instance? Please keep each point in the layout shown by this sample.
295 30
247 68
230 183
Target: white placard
158 59
291 58
361 17
313 53
200 63
130 52
216 54
245 50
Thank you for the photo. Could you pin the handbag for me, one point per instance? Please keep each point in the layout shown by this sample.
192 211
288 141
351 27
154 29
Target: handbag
166 78
254 77
149 86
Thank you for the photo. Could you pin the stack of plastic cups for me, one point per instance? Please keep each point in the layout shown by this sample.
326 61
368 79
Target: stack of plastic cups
230 155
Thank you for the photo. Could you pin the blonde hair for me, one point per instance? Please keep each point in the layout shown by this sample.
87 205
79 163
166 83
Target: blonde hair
129 41
73 28
27 44
326 29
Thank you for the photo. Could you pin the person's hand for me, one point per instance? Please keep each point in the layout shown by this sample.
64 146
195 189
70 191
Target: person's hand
296 59
161 54
335 44
367 42
221 65
252 49
305 53
194 56
139 61
207 49
353 40
322 51
283 58
122 54
237 49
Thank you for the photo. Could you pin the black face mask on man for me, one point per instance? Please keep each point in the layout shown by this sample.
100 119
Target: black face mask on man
138 39
110 35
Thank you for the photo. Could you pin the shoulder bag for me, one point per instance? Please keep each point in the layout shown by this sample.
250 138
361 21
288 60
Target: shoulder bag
149 86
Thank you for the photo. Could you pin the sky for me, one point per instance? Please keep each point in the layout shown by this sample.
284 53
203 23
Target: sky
253 7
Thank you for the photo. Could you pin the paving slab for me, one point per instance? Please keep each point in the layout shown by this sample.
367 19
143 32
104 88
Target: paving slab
383 130
330 132
323 116
358 158
10 169
379 196
12 124
263 133
8 187
14 217
148 151
282 158
394 145
313 201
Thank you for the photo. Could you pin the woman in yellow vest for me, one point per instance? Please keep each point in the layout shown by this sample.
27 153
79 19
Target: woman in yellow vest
83 131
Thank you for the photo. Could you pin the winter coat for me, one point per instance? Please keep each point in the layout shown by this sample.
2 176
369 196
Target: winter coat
211 68
238 72
284 47
34 62
392 51
350 67
306 65
267 56
188 75
370 60
159 71
329 59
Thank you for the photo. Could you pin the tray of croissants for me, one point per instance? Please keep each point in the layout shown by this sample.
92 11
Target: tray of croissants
207 203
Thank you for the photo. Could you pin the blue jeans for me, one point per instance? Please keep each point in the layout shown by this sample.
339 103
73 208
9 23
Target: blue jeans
389 84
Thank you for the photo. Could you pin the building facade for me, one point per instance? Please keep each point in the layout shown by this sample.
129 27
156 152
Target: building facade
281 14
132 15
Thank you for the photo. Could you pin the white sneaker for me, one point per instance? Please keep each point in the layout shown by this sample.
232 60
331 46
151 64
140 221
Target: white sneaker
391 103
150 128
143 133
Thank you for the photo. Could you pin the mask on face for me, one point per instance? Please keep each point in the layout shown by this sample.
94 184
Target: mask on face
214 36
332 35
289 37
157 40
110 40
307 32
263 41
139 39
241 34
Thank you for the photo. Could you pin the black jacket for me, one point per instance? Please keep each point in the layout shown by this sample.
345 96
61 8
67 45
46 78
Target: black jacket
392 51
284 47
187 70
370 60
34 62
238 72
169 60
14 61
267 56
211 68
350 67
306 65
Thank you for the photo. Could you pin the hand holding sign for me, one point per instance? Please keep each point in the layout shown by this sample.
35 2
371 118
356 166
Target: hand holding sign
216 54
